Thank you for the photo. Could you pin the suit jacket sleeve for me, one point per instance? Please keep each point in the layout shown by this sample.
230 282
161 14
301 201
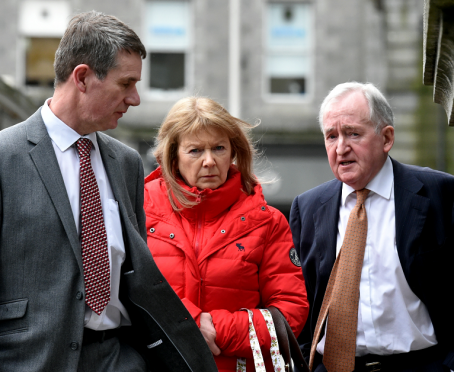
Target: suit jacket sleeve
305 338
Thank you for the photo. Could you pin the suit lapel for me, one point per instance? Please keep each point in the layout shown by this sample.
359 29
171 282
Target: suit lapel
411 211
116 178
43 156
325 221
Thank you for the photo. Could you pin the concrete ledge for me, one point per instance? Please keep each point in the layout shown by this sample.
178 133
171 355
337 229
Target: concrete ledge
14 103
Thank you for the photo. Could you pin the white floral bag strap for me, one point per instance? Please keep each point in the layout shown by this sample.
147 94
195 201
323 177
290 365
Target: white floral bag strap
278 361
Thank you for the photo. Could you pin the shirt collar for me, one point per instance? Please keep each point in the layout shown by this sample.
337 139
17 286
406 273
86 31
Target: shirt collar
62 135
381 184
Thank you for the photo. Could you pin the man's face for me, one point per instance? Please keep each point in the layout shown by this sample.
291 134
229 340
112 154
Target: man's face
355 152
107 100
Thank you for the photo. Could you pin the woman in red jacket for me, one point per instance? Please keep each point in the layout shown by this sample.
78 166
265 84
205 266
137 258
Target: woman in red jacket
211 233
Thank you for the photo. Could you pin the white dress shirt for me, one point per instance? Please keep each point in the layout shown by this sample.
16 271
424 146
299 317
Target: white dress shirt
63 139
391 319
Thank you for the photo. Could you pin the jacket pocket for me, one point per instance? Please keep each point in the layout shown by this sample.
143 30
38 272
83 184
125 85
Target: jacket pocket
12 316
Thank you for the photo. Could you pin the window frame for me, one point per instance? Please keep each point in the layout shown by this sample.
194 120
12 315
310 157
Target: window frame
170 95
25 33
290 98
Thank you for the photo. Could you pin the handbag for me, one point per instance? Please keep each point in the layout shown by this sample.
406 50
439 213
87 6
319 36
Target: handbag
284 346
288 345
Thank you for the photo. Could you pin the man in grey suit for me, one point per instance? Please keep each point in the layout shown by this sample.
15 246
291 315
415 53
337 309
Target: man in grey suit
79 290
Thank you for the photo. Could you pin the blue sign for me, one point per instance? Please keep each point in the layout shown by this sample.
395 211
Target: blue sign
168 31
288 32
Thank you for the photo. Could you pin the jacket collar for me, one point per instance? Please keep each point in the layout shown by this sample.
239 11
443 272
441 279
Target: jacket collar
214 202
253 208
43 156
411 212
326 219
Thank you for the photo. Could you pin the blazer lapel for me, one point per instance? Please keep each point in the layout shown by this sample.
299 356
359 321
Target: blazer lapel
46 163
411 211
325 221
115 176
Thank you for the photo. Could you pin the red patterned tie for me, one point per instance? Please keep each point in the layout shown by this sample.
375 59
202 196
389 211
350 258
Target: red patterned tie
342 295
95 256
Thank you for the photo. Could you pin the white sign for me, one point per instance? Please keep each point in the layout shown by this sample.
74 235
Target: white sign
289 26
44 18
167 25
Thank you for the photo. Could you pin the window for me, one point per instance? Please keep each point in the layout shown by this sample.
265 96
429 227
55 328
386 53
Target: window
288 48
167 39
39 61
167 71
41 24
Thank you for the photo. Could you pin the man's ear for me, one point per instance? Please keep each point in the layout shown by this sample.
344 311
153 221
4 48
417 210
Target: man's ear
388 138
79 76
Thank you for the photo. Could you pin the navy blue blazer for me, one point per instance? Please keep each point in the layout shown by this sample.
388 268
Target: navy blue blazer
424 201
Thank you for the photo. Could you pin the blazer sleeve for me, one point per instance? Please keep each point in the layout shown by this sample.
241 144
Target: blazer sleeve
281 284
305 338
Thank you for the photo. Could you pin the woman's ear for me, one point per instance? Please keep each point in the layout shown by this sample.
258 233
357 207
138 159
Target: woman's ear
232 156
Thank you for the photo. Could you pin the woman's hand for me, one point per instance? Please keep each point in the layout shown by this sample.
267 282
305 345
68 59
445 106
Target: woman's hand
209 332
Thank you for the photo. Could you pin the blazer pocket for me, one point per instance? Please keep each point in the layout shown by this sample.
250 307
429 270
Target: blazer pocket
12 316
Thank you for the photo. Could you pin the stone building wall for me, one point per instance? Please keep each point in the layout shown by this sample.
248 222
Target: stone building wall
363 40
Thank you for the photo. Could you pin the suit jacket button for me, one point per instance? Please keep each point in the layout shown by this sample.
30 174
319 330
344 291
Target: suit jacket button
74 346
79 295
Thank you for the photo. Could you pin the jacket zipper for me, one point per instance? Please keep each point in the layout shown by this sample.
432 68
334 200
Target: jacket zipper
197 244
200 293
198 228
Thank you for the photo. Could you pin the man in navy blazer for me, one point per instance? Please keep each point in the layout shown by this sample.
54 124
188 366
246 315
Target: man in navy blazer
405 317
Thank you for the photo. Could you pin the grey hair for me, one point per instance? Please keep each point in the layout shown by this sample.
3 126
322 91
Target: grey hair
380 112
94 39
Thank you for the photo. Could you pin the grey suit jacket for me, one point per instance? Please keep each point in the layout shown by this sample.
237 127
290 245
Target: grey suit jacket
41 274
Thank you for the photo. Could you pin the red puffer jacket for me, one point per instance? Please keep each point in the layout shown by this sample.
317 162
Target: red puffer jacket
229 252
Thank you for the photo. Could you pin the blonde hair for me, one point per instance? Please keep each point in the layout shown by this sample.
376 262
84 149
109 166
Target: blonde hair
192 115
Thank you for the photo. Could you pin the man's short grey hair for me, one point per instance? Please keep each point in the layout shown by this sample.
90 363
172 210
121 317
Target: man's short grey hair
380 113
94 39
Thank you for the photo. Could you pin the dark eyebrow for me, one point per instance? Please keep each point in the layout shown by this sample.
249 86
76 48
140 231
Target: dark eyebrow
131 80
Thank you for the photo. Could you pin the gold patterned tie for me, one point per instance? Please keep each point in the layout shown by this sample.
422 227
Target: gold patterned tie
342 295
